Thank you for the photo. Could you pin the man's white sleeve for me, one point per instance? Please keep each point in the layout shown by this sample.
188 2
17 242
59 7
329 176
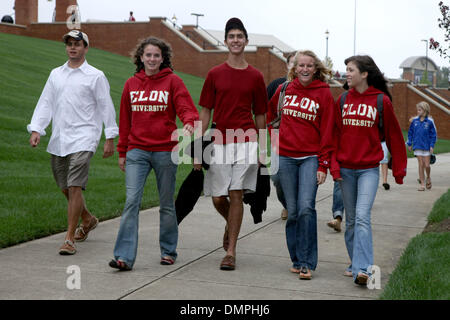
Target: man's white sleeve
106 107
44 110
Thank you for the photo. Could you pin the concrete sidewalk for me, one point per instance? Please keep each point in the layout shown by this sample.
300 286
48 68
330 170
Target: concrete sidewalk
35 270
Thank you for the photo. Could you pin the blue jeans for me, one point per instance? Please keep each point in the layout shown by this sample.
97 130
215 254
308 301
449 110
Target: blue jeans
338 203
139 163
359 188
275 176
299 182
277 183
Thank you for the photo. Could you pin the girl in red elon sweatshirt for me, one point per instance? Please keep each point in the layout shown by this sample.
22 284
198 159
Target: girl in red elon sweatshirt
151 100
305 145
358 153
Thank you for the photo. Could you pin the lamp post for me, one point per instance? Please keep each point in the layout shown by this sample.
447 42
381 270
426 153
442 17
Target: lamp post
426 58
197 15
326 55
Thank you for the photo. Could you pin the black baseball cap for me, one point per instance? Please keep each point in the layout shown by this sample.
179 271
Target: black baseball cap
235 23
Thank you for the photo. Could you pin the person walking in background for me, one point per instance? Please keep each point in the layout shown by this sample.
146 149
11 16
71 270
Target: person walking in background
305 146
271 88
131 17
384 165
358 154
422 136
337 208
150 102
77 101
236 91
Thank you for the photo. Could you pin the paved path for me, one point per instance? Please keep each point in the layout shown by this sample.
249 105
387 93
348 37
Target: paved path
35 270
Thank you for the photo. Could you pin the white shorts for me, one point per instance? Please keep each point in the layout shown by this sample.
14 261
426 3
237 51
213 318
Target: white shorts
385 152
233 166
422 153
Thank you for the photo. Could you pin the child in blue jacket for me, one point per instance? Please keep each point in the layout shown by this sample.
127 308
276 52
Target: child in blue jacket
421 139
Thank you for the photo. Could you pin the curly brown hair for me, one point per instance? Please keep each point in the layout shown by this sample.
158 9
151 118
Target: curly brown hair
165 48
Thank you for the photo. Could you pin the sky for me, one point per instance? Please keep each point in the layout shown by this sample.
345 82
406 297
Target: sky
388 30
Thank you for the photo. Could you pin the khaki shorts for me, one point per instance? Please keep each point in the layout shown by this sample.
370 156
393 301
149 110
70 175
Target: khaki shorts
71 170
233 167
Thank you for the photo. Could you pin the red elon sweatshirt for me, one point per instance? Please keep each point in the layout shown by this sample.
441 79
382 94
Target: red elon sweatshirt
358 139
148 111
307 121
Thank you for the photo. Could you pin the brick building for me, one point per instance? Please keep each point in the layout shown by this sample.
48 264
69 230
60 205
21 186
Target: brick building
414 69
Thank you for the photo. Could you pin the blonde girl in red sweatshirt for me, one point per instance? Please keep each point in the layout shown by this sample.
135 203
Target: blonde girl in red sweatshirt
358 153
305 145
151 100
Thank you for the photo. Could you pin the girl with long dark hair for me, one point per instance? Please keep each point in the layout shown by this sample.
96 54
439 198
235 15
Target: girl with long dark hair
361 125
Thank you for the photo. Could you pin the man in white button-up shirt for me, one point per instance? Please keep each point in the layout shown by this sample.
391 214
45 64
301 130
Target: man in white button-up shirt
77 101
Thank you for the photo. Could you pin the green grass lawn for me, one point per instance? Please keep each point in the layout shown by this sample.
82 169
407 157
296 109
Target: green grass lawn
423 271
31 204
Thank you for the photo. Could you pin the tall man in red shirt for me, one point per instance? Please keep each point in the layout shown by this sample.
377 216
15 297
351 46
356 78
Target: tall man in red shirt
236 91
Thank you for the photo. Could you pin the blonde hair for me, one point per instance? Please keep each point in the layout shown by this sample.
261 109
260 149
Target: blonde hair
424 106
322 73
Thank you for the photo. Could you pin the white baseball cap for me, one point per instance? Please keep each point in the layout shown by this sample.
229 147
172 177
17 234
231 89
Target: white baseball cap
77 35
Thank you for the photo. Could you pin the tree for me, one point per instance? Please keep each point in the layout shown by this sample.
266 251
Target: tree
424 79
444 23
328 63
443 77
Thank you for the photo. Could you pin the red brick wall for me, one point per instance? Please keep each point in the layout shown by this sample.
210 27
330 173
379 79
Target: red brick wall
444 93
61 9
405 101
12 28
336 91
26 11
407 75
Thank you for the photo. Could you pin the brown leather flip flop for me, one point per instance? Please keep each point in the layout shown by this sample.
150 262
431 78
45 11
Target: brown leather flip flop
228 263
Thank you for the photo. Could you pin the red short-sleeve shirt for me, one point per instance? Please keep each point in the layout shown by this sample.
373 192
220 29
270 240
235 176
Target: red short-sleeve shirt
235 95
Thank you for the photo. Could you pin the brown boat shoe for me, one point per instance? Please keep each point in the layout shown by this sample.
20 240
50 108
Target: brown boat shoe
82 231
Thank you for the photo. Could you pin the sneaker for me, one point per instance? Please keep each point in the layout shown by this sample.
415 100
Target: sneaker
335 224
305 274
68 248
284 214
386 186
82 231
